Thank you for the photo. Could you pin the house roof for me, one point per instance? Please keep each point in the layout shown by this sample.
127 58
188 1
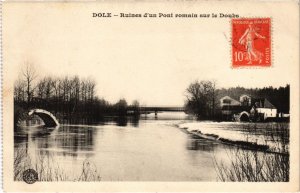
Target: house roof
233 101
259 102
243 95
263 103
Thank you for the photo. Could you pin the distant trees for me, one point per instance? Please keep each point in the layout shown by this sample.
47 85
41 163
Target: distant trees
67 96
67 89
71 99
121 107
136 108
200 99
20 91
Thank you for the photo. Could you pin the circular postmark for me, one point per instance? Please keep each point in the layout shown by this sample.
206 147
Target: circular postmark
30 176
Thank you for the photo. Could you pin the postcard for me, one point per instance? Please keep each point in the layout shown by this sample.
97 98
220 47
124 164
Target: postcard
150 96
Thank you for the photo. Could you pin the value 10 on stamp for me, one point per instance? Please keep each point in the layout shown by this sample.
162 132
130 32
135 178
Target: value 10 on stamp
251 42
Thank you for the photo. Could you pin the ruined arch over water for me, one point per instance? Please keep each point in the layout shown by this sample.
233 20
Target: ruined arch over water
48 118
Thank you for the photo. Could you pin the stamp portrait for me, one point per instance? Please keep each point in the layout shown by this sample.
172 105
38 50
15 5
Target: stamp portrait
251 42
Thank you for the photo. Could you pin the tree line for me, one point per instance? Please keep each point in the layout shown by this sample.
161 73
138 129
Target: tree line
70 99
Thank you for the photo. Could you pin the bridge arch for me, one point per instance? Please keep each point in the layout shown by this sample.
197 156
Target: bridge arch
244 116
48 118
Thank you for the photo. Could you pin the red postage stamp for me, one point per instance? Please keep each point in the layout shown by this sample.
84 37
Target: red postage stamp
251 42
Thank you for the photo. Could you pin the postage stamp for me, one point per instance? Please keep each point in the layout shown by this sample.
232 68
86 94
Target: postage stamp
251 42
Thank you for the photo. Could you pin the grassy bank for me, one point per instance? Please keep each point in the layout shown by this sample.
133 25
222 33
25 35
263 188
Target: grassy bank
261 152
253 166
270 137
49 170
258 165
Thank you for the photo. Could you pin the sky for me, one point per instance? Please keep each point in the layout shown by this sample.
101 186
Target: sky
149 60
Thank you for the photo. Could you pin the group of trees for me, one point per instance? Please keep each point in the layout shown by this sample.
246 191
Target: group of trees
55 89
70 98
203 98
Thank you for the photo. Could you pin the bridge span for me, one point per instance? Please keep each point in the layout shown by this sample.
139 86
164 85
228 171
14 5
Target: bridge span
160 109
156 109
48 118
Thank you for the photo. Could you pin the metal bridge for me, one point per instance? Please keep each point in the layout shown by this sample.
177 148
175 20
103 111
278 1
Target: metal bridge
156 109
161 109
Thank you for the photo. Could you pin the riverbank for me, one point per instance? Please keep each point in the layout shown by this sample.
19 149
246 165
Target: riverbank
269 137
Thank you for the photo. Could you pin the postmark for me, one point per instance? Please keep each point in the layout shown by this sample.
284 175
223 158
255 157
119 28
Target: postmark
251 42
30 176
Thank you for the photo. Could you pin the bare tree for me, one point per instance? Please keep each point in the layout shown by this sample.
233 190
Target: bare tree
136 103
48 87
121 107
136 107
40 91
91 89
55 86
76 88
200 98
19 90
83 90
29 75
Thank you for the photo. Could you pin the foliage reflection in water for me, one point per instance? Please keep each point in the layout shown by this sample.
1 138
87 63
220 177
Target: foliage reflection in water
143 150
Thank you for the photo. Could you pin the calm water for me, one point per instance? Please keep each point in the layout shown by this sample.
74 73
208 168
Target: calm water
150 150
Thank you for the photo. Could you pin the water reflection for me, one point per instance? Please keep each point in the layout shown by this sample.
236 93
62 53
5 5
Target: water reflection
128 149
65 138
197 143
76 139
135 121
122 121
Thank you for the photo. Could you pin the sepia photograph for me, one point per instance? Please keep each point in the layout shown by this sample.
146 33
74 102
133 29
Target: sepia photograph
150 94
65 130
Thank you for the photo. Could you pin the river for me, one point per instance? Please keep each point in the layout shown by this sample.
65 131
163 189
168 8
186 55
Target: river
152 149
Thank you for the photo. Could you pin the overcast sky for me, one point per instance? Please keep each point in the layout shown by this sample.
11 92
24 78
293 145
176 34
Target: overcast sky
151 60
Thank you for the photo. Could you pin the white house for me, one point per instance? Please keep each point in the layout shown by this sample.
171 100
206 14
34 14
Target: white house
259 106
264 107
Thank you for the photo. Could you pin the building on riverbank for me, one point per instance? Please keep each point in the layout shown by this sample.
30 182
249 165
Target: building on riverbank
264 109
257 109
